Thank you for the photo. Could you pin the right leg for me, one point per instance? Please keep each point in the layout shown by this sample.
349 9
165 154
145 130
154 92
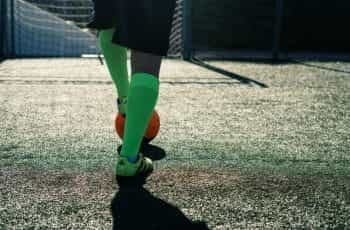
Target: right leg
142 62
142 99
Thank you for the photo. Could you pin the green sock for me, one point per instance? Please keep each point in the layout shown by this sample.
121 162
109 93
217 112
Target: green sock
143 95
116 60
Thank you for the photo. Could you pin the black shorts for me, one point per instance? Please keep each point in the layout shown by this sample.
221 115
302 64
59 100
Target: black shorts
143 25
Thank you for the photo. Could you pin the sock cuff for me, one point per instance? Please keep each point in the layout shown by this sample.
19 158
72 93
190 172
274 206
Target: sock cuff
144 80
106 35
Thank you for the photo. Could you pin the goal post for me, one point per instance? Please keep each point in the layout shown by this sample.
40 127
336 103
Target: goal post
2 29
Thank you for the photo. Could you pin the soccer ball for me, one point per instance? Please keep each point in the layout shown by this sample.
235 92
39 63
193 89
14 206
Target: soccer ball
151 131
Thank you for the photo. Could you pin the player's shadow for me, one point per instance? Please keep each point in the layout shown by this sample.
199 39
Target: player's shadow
134 207
155 153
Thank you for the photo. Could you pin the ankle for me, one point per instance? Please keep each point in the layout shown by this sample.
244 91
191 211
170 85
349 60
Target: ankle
133 159
121 104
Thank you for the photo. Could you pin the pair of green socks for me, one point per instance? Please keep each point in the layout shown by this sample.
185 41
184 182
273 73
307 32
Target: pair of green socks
141 94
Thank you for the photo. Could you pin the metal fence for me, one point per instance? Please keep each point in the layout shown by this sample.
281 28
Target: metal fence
3 24
268 29
46 28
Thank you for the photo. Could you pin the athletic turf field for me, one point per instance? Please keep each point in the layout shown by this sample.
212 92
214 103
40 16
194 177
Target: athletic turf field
256 146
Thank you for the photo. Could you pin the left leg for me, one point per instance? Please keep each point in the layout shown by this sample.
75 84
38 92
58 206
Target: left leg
116 59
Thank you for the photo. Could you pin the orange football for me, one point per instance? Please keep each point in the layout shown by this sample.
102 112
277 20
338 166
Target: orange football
151 131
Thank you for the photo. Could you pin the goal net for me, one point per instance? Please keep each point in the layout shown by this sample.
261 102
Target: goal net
39 28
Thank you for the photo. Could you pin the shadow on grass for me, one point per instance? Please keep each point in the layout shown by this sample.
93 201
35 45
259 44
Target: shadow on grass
8 148
155 153
241 79
319 67
134 208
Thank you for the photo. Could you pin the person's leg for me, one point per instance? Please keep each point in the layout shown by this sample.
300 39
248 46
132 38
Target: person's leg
116 59
145 63
142 99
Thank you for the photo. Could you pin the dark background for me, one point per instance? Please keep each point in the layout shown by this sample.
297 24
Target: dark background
2 28
224 25
312 25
